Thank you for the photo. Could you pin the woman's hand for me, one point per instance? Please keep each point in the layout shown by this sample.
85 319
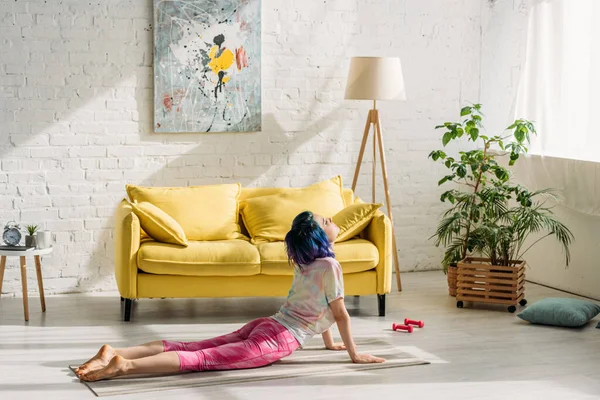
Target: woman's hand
366 359
336 346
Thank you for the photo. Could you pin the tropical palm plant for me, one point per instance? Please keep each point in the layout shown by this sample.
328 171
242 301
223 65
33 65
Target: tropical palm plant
492 217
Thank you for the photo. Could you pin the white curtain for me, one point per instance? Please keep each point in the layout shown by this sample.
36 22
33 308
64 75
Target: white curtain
560 83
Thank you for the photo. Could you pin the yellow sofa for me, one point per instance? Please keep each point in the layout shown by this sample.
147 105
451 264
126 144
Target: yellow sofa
145 268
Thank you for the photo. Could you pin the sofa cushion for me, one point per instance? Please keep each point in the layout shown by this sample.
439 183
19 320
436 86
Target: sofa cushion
354 255
269 218
353 219
204 212
158 224
335 183
214 258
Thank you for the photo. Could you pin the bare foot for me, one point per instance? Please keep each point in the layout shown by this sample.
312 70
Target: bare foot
116 367
100 360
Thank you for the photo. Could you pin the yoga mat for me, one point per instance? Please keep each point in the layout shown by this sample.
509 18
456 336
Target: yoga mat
312 360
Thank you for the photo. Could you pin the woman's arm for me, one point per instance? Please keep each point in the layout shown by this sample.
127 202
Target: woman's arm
329 343
342 318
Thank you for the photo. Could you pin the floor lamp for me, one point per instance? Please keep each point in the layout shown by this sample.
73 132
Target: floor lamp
376 78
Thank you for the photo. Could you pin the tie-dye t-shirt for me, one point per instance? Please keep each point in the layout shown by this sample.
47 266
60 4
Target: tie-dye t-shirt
306 312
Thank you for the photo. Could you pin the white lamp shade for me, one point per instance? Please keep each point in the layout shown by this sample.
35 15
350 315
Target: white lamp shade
375 78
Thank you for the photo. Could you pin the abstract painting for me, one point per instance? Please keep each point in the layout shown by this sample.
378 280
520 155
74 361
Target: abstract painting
207 66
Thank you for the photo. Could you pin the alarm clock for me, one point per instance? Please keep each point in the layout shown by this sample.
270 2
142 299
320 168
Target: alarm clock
12 234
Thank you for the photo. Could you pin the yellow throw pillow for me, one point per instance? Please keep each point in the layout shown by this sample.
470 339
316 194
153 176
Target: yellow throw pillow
269 218
333 185
158 224
204 212
353 219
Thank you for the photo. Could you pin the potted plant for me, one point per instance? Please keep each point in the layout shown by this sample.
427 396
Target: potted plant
30 237
488 215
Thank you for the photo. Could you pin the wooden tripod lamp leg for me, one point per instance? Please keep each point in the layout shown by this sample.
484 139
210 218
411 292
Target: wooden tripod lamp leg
374 179
379 135
362 151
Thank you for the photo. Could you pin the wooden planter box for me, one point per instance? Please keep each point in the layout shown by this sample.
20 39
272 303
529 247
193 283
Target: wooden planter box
452 276
479 281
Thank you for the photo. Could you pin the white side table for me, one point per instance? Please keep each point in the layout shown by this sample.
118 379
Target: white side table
23 254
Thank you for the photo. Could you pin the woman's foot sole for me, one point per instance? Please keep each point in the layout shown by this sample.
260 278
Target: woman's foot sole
100 360
116 367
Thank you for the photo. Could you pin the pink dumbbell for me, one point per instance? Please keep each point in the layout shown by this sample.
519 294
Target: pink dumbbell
420 324
398 327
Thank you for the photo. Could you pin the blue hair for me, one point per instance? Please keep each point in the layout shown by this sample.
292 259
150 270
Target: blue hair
306 241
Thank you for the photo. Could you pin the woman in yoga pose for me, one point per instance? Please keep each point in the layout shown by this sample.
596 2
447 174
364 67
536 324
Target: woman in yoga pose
315 301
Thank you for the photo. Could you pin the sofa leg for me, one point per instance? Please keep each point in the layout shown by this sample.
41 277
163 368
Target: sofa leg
381 304
127 311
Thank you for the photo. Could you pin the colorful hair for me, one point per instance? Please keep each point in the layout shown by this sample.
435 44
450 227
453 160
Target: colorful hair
306 241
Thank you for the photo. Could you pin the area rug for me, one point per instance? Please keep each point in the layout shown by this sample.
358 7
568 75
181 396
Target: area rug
312 360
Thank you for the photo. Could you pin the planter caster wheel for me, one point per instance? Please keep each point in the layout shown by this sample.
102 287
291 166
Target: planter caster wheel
512 309
459 304
523 302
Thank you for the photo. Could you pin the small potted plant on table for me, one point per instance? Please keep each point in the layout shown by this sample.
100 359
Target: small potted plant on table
490 217
30 237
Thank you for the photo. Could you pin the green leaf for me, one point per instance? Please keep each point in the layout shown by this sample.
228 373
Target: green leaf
513 158
465 111
448 163
474 134
441 154
461 171
446 138
501 144
440 126
446 179
501 174
519 134
531 128
435 155
476 117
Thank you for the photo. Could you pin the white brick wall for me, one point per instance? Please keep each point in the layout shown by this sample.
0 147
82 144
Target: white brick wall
76 116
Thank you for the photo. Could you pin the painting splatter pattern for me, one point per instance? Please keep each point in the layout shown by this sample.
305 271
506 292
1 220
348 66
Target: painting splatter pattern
207 66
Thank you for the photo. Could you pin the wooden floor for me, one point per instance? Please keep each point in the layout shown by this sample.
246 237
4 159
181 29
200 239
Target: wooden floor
491 354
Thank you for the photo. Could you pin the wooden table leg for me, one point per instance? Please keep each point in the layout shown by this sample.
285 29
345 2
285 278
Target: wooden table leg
38 269
2 266
24 285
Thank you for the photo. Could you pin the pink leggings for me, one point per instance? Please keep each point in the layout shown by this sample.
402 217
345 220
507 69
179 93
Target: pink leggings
256 344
